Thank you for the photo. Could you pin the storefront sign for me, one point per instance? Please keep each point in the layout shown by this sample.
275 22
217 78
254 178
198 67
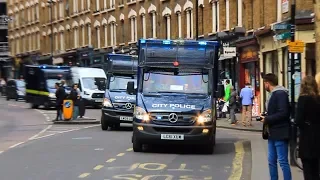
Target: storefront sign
249 54
285 6
229 52
58 60
84 54
281 27
282 36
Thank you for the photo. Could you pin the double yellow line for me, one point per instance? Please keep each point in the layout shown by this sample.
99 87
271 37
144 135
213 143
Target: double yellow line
237 163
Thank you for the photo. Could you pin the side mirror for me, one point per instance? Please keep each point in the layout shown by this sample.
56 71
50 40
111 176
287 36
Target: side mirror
220 91
130 88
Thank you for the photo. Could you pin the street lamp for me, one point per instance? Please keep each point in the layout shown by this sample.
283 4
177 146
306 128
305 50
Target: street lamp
51 2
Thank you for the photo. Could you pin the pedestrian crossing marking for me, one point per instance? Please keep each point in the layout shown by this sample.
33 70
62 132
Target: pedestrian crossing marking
110 160
120 154
84 175
98 167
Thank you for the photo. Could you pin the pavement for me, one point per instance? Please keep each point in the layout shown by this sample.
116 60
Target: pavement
226 123
82 151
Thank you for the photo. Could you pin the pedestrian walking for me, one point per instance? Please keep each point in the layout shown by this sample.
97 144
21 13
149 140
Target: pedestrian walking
246 96
233 105
309 126
226 98
60 96
75 97
277 121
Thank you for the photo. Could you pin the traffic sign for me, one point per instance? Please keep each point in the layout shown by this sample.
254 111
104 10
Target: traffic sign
296 46
281 26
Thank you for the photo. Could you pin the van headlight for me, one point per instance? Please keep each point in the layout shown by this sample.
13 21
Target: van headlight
141 114
106 103
52 95
205 116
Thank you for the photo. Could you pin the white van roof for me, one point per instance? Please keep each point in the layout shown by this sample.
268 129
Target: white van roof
89 72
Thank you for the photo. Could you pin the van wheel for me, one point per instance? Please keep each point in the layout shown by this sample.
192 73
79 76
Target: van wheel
136 145
34 106
8 98
104 125
46 106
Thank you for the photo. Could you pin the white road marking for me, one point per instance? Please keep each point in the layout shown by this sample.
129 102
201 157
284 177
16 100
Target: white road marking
82 138
44 130
99 149
1 152
15 145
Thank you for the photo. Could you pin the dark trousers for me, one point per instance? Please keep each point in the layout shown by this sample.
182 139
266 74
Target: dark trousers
59 112
311 169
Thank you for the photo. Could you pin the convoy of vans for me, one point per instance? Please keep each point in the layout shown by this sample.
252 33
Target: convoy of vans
168 92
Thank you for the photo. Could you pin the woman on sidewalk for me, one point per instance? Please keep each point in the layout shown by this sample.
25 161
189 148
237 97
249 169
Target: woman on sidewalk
309 126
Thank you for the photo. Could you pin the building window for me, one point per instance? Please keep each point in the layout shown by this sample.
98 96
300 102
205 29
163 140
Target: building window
133 20
113 30
38 40
112 3
75 6
105 35
189 15
179 24
89 34
227 15
122 31
240 13
143 21
215 16
97 5
98 36
61 9
83 30
154 24
61 41
168 26
76 37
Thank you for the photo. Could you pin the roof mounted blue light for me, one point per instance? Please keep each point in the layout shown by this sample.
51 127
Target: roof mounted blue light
202 43
142 41
166 42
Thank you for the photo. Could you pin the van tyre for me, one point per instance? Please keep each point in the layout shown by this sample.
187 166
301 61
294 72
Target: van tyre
209 149
34 106
136 145
104 124
8 98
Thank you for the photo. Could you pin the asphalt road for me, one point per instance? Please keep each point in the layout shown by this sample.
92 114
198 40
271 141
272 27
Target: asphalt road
86 152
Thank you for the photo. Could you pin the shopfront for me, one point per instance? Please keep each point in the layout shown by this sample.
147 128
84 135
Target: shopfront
85 57
250 72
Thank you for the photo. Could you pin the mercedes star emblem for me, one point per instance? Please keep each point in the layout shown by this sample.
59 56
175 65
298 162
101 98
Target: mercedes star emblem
173 117
128 105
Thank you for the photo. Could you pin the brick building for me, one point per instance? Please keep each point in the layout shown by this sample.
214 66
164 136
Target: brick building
84 30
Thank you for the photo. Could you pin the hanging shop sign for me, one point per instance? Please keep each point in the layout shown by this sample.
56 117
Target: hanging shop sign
229 51
248 54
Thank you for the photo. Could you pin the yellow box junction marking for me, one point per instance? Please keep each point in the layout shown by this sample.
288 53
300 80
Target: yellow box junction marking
120 154
237 162
110 160
84 175
98 167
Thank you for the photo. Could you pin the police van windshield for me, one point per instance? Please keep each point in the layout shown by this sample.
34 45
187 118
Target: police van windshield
119 83
169 83
21 84
51 83
94 83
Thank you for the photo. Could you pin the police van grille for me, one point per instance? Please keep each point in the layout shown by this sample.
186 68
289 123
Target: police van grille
122 106
97 95
163 119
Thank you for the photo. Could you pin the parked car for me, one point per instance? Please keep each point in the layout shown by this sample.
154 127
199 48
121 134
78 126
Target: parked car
15 89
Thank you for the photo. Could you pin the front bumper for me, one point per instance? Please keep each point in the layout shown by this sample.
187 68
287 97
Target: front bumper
193 135
113 116
93 102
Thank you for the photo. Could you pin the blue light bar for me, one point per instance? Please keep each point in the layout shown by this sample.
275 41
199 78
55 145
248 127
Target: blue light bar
202 43
166 42
53 67
142 41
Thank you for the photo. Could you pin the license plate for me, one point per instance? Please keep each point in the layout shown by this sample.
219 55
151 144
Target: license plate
126 118
98 100
172 136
